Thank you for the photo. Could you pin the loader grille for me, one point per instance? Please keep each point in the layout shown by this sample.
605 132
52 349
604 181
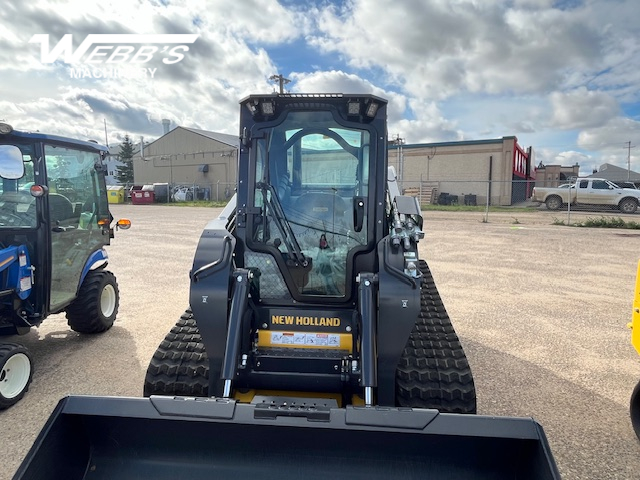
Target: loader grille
272 284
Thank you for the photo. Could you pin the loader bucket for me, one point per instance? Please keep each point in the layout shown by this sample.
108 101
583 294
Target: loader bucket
172 438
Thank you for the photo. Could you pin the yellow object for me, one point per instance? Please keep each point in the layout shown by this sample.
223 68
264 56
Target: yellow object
124 224
115 193
635 315
280 339
247 396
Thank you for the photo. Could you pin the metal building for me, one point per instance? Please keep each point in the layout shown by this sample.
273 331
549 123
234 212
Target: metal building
465 171
190 157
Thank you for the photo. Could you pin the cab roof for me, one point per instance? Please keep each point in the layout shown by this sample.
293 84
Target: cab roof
54 139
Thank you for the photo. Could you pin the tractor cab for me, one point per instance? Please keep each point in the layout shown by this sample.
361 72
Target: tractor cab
54 223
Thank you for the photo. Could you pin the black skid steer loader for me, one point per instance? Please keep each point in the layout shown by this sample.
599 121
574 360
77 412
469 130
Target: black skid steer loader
316 344
316 267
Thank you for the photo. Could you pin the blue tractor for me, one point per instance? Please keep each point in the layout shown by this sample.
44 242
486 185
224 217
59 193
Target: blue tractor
54 224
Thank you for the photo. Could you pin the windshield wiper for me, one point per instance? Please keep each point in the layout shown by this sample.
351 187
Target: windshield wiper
289 240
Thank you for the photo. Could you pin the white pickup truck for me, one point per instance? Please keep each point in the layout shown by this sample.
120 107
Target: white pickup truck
589 191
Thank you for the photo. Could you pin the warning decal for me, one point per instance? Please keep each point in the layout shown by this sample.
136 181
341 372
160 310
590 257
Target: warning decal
305 340
301 338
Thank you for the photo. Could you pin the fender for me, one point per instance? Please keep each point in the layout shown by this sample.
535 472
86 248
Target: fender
398 309
209 294
98 259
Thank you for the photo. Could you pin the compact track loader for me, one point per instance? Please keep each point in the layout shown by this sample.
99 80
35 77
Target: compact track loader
316 268
316 344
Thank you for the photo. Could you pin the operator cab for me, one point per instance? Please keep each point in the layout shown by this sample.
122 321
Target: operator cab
310 177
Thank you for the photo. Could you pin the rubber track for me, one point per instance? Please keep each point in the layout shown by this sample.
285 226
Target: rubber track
179 366
82 314
433 371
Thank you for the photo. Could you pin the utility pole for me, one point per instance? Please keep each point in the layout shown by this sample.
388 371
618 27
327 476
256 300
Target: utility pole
281 81
629 147
106 138
399 142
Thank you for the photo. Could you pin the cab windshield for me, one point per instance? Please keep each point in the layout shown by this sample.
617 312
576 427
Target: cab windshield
312 175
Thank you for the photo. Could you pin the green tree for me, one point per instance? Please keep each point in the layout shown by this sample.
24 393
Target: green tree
124 172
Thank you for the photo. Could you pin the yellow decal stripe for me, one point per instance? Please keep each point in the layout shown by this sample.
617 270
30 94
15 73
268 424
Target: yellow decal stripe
7 260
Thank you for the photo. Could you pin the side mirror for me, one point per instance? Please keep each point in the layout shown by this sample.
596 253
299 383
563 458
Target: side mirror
11 164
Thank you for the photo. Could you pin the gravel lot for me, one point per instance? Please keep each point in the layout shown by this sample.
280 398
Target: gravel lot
541 309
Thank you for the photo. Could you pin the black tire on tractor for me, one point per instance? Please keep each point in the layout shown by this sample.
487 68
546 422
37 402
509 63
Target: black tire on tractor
180 365
16 372
628 205
96 307
634 410
553 202
433 371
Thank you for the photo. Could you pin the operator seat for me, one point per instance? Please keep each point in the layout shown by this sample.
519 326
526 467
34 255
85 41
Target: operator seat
319 223
315 213
60 209
325 207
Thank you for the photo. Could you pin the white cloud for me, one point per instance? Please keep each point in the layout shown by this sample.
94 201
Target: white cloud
203 90
429 124
613 135
340 82
562 76
571 157
581 108
609 142
440 48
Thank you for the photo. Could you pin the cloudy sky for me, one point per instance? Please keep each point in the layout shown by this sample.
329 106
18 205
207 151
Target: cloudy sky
562 76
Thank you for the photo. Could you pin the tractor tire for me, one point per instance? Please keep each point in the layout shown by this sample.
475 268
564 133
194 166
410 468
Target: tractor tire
433 371
180 365
16 372
96 307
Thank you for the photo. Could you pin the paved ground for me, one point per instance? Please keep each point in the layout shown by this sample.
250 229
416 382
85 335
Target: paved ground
541 310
